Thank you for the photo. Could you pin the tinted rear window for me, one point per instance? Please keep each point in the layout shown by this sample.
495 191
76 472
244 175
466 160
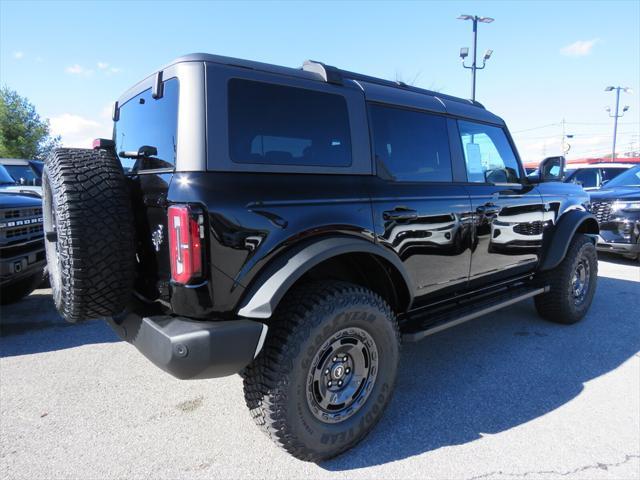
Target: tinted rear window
411 146
145 121
279 125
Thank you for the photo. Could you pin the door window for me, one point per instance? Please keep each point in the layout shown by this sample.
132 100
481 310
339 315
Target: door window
488 154
410 146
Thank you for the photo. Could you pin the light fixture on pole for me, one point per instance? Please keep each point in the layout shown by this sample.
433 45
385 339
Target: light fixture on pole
616 115
464 52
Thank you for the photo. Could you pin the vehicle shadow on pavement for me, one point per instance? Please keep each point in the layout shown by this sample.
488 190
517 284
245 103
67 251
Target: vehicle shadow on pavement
496 373
617 259
32 325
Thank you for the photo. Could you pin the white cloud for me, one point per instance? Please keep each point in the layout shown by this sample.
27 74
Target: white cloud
78 131
579 48
78 70
104 67
18 55
107 112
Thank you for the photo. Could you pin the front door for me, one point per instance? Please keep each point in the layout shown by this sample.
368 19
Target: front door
509 213
418 211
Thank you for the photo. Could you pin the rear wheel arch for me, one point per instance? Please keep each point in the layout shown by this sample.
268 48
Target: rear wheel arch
339 258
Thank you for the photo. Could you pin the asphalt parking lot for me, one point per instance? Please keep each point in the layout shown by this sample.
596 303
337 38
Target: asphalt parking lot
506 396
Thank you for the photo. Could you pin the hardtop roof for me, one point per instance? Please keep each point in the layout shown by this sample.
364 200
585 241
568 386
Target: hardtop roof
394 92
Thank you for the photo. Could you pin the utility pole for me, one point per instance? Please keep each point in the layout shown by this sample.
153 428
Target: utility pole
464 52
565 147
616 115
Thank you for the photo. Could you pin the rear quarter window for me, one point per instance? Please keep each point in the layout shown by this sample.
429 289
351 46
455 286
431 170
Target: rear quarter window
148 122
283 125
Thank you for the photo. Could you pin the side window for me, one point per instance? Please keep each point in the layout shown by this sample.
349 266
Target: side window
611 173
280 125
488 154
149 123
587 177
410 146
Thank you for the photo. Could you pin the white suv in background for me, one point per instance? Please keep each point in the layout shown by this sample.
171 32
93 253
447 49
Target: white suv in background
593 175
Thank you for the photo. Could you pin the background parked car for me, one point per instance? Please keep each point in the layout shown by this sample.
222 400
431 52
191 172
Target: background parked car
25 175
22 256
617 208
594 175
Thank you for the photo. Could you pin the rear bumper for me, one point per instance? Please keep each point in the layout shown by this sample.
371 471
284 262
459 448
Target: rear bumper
191 349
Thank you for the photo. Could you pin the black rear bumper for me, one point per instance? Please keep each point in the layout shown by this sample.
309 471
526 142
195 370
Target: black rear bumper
191 349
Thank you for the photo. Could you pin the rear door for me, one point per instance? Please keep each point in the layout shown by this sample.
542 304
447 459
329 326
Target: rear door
509 214
145 136
419 212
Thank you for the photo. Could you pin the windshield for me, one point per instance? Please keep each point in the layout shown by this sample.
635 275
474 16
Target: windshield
5 178
23 174
630 178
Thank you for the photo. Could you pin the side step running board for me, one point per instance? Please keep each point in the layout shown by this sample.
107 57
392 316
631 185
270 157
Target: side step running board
472 311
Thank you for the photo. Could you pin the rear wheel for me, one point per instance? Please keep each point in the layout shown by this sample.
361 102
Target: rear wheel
327 369
88 233
572 284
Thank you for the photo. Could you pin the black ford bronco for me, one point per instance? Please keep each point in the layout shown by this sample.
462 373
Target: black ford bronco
293 225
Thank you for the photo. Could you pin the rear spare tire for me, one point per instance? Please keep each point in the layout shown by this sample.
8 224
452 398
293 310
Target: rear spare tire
89 237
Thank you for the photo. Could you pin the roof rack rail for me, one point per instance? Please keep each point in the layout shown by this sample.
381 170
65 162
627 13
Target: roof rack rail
336 76
398 84
327 72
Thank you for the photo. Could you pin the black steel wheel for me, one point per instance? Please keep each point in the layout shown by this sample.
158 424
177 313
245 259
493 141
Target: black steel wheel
572 284
327 369
342 375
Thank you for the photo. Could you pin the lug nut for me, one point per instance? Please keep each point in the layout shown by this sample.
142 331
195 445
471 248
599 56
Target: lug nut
335 359
344 359
340 383
326 372
347 370
329 383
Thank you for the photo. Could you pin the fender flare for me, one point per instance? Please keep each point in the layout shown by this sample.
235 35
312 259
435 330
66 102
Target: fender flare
555 246
270 286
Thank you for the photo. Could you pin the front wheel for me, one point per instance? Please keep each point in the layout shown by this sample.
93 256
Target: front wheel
572 284
327 370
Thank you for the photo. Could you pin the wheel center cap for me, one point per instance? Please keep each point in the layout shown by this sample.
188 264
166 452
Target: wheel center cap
338 371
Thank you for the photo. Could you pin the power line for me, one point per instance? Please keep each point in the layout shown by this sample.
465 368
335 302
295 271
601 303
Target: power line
581 135
537 128
571 123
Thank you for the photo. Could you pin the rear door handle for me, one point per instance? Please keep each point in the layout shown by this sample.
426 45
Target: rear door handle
400 214
488 209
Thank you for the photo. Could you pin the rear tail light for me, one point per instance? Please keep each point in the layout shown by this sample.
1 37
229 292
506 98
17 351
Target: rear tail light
186 233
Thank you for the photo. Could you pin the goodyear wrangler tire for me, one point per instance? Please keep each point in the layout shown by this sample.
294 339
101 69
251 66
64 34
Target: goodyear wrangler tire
88 233
572 284
327 369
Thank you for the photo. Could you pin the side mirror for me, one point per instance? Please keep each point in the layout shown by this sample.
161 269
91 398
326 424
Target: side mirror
551 169
604 182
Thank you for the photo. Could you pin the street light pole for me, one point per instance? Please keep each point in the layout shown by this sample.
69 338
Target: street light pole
465 51
475 52
616 116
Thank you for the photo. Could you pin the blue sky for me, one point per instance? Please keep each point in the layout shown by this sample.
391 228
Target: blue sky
551 59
